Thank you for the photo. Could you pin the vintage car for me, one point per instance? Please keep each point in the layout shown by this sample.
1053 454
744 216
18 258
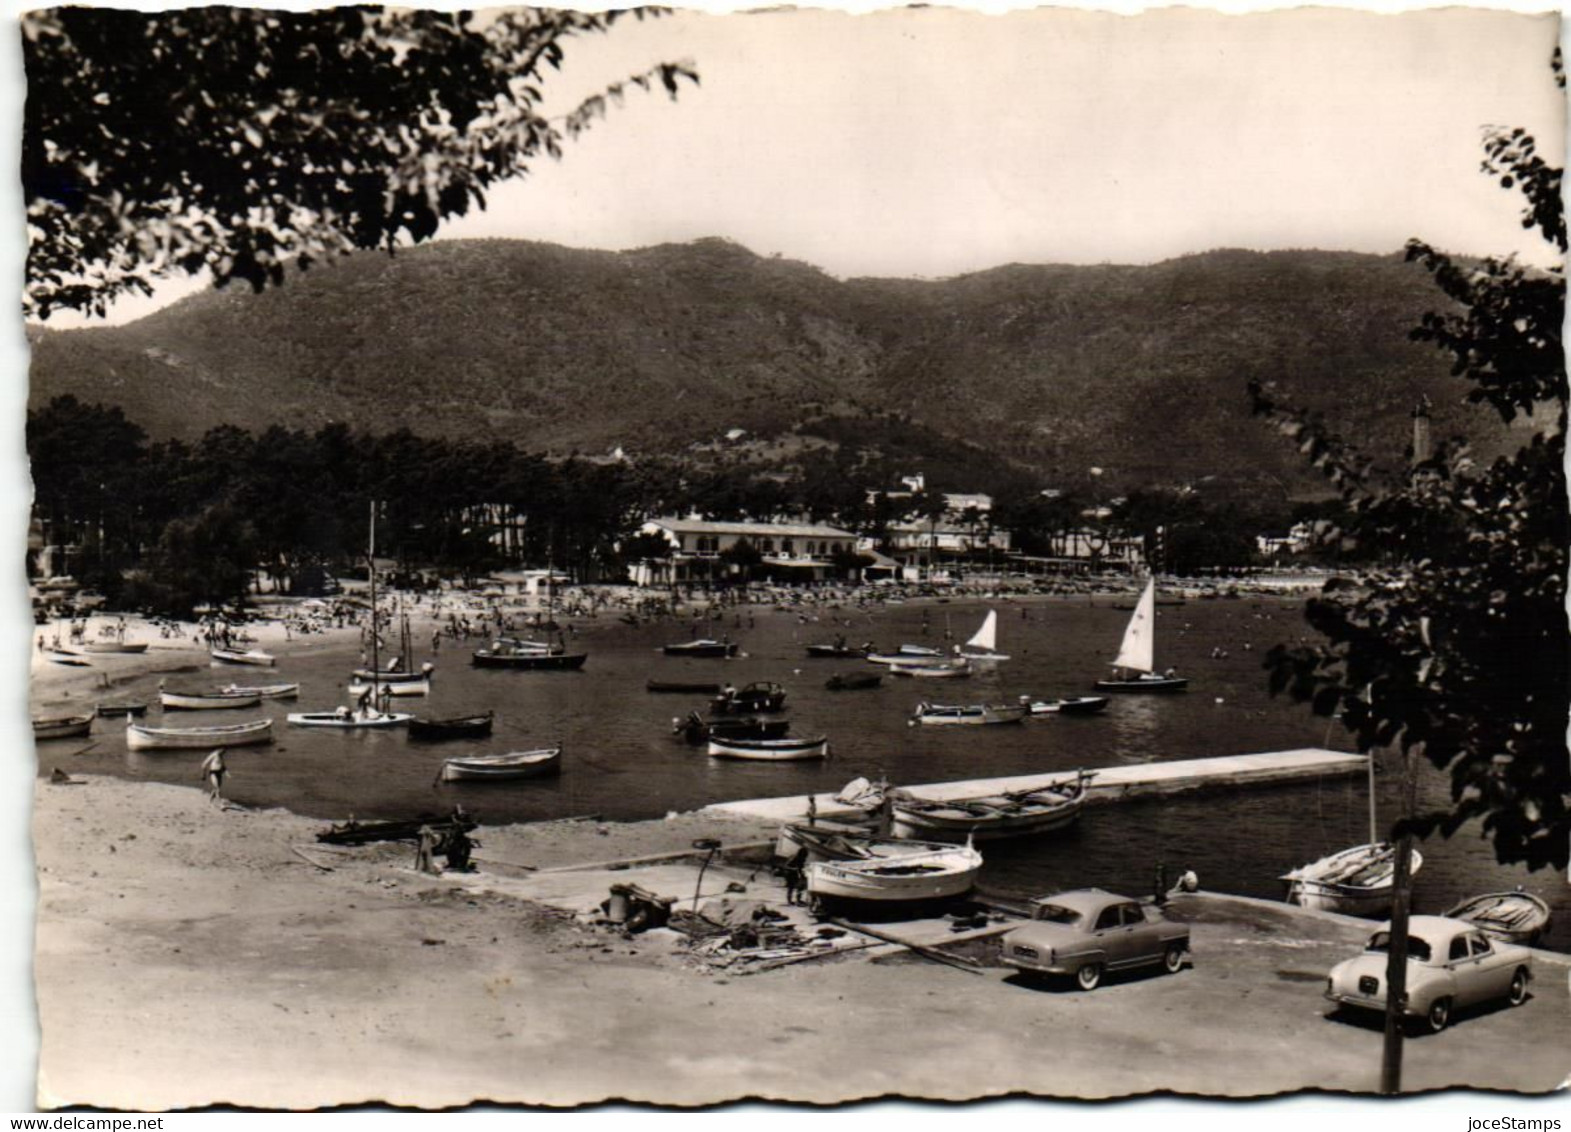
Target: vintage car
1450 965
1088 932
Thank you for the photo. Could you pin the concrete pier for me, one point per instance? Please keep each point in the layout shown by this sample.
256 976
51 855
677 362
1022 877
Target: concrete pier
1110 784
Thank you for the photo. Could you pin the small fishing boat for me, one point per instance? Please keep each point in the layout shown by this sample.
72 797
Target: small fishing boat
770 750
354 832
393 674
514 764
678 687
118 709
1020 813
265 691
130 647
503 655
945 670
1356 882
243 656
853 682
420 686
67 658
1136 659
141 738
984 645
1072 705
62 727
761 695
907 654
975 714
702 647
698 730
838 651
824 843
909 878
1510 917
348 720
173 700
453 727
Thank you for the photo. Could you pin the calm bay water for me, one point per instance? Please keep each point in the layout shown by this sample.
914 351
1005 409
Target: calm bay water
620 761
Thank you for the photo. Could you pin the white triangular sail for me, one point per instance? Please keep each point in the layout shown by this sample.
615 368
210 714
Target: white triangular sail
1139 648
986 637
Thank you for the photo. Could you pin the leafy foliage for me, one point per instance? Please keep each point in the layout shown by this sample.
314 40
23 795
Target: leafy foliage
1456 646
243 140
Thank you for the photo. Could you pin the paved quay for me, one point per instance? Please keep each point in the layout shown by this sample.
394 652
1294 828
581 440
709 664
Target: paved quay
1110 784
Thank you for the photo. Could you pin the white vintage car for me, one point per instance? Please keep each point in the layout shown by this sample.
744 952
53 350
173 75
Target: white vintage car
1450 965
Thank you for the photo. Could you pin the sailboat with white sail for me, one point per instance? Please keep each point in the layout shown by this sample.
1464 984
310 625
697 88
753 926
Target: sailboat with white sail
984 645
1136 659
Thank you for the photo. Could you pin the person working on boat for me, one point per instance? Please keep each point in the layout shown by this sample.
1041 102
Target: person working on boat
213 771
796 876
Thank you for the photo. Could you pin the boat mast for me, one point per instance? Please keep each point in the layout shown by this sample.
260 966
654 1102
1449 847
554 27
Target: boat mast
376 662
1374 835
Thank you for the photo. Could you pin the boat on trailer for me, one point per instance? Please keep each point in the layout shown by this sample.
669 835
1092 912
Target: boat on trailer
973 714
514 764
1510 917
142 738
1019 813
62 727
769 750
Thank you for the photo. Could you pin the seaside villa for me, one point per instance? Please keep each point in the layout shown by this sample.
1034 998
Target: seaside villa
703 550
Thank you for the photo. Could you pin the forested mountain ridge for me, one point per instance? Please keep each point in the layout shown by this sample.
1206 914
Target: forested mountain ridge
1051 369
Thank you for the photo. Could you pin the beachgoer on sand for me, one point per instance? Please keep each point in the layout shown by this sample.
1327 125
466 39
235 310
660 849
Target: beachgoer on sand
213 771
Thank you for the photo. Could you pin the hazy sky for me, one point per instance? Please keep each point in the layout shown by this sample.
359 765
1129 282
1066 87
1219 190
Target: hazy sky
932 142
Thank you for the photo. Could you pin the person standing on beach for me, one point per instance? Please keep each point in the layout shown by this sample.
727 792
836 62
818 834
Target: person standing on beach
213 771
425 849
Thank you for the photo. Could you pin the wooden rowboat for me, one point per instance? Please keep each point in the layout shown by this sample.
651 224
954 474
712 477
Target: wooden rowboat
827 844
973 714
933 875
115 647
944 670
246 656
1073 705
527 659
62 727
1023 813
678 687
206 701
141 738
1356 882
347 720
853 682
118 709
702 647
265 691
769 750
1511 917
454 727
514 764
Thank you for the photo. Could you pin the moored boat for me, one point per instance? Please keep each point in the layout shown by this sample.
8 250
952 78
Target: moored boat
420 686
453 727
62 727
243 656
678 687
67 658
394 675
702 647
502 655
910 878
769 750
838 651
129 647
943 670
118 709
514 764
697 730
1072 705
1020 813
265 691
853 682
974 714
139 737
348 720
1355 882
907 654
1511 917
761 695
174 700
983 646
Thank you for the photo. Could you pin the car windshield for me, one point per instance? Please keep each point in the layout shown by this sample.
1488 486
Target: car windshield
1057 914
1416 948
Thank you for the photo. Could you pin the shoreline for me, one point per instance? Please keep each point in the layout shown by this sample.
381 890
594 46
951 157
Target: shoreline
187 955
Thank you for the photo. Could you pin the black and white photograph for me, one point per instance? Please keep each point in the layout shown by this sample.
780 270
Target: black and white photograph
799 556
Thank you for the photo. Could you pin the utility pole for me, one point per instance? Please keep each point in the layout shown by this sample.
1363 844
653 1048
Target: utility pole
1396 957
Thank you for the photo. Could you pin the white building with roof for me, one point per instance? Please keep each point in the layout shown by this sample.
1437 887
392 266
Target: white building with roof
788 551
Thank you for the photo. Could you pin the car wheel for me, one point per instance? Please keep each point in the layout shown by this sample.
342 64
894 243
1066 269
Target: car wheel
1518 993
1089 977
1173 958
1439 1014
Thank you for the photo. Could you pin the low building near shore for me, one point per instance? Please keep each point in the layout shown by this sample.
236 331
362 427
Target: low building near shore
704 550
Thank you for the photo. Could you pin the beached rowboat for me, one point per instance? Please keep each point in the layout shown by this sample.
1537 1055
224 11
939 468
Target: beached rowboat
206 701
141 738
62 727
114 709
1511 917
933 875
769 750
115 646
246 656
514 764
